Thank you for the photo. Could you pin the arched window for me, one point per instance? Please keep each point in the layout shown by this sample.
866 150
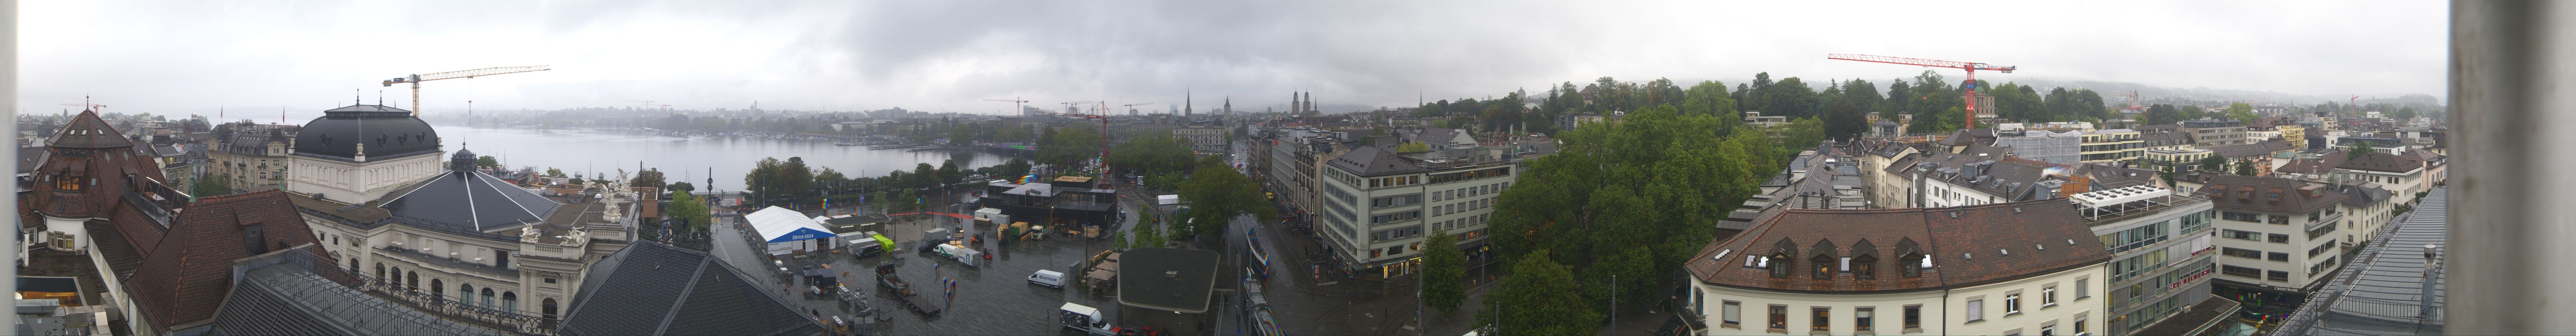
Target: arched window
437 290
412 280
380 272
487 297
353 266
465 293
510 302
549 308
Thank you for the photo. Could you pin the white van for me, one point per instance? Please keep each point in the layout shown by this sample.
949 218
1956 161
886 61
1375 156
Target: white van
1048 278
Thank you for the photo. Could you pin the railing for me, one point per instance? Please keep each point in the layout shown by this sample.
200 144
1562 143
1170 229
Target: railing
456 310
2152 206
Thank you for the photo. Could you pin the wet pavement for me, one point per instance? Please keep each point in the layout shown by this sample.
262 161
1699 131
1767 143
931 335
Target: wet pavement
992 299
1307 303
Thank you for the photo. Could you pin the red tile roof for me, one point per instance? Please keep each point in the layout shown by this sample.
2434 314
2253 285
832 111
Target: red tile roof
184 280
1967 244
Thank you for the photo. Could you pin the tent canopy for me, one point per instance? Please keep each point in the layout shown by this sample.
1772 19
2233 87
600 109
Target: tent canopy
779 225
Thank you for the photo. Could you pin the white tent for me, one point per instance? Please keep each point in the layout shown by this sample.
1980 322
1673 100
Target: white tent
787 230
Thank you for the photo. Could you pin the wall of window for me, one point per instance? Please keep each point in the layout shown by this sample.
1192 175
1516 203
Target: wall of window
2242 217
2241 253
2134 238
2241 271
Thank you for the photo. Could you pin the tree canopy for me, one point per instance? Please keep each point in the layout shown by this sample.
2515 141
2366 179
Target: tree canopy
1540 298
1631 198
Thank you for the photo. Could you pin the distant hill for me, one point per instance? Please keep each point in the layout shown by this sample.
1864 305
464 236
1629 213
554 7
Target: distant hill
2204 95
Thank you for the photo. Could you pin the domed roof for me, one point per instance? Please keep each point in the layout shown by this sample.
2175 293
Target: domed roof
385 131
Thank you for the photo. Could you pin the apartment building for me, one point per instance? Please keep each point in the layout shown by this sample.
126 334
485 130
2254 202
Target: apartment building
2161 252
251 156
2275 235
2031 270
2180 159
2112 145
2214 132
1379 207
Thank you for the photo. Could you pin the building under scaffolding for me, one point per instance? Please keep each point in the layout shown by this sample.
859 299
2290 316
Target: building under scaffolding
1064 201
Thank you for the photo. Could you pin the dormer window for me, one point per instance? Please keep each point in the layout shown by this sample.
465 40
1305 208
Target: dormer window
1913 264
1778 263
1824 267
1861 267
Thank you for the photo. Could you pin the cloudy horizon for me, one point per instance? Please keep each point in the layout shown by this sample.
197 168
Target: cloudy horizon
255 57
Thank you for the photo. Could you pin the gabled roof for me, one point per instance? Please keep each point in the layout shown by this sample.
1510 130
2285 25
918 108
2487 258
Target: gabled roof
1372 161
655 289
2263 148
1968 246
2381 162
185 279
282 295
2325 161
2249 193
2362 196
28 157
88 131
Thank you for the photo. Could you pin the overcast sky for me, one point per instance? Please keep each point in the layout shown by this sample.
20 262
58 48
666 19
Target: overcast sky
255 58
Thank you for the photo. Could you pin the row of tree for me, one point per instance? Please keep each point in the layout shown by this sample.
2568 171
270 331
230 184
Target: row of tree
1842 106
1629 199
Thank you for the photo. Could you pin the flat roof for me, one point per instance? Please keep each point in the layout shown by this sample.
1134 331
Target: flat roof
1171 279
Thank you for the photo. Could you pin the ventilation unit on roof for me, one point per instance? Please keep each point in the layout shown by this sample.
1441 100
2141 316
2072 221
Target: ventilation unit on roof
1969 256
2042 247
2070 242
2004 251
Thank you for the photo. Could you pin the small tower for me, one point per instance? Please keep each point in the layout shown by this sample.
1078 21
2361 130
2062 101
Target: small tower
464 160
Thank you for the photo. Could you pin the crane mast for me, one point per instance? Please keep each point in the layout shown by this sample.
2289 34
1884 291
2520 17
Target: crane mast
415 79
1971 67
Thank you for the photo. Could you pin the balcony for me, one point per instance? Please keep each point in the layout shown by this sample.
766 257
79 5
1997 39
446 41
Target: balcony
455 308
2114 213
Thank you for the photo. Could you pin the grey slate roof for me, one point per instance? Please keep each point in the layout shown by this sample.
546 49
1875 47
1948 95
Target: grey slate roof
1372 161
28 157
655 289
287 299
470 200
2362 197
2263 148
387 133
2384 291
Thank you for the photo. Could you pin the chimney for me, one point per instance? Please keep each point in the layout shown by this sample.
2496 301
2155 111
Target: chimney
2432 270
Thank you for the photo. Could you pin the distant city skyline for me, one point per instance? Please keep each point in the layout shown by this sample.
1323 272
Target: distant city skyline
253 57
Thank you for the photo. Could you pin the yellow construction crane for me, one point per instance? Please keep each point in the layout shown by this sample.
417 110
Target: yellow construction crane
415 79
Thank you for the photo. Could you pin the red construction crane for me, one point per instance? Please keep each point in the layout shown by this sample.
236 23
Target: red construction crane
1104 129
1971 67
2134 102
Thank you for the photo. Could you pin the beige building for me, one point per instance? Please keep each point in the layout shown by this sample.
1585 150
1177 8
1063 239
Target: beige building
1379 207
252 157
2112 146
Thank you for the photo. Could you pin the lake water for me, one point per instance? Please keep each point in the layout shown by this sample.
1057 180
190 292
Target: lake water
686 158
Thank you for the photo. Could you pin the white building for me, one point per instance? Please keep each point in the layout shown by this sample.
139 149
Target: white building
1379 207
2031 268
465 239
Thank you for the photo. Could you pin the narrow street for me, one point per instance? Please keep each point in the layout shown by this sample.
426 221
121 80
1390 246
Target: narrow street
1307 303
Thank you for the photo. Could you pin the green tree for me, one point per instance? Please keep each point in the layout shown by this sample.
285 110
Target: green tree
2360 148
1539 299
1444 271
1151 152
206 185
1068 146
831 182
2213 163
948 172
2404 113
2240 112
646 178
487 161
923 176
1803 133
2245 167
687 211
1844 121
795 179
1413 147
681 186
552 172
1014 169
1217 194
1648 182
